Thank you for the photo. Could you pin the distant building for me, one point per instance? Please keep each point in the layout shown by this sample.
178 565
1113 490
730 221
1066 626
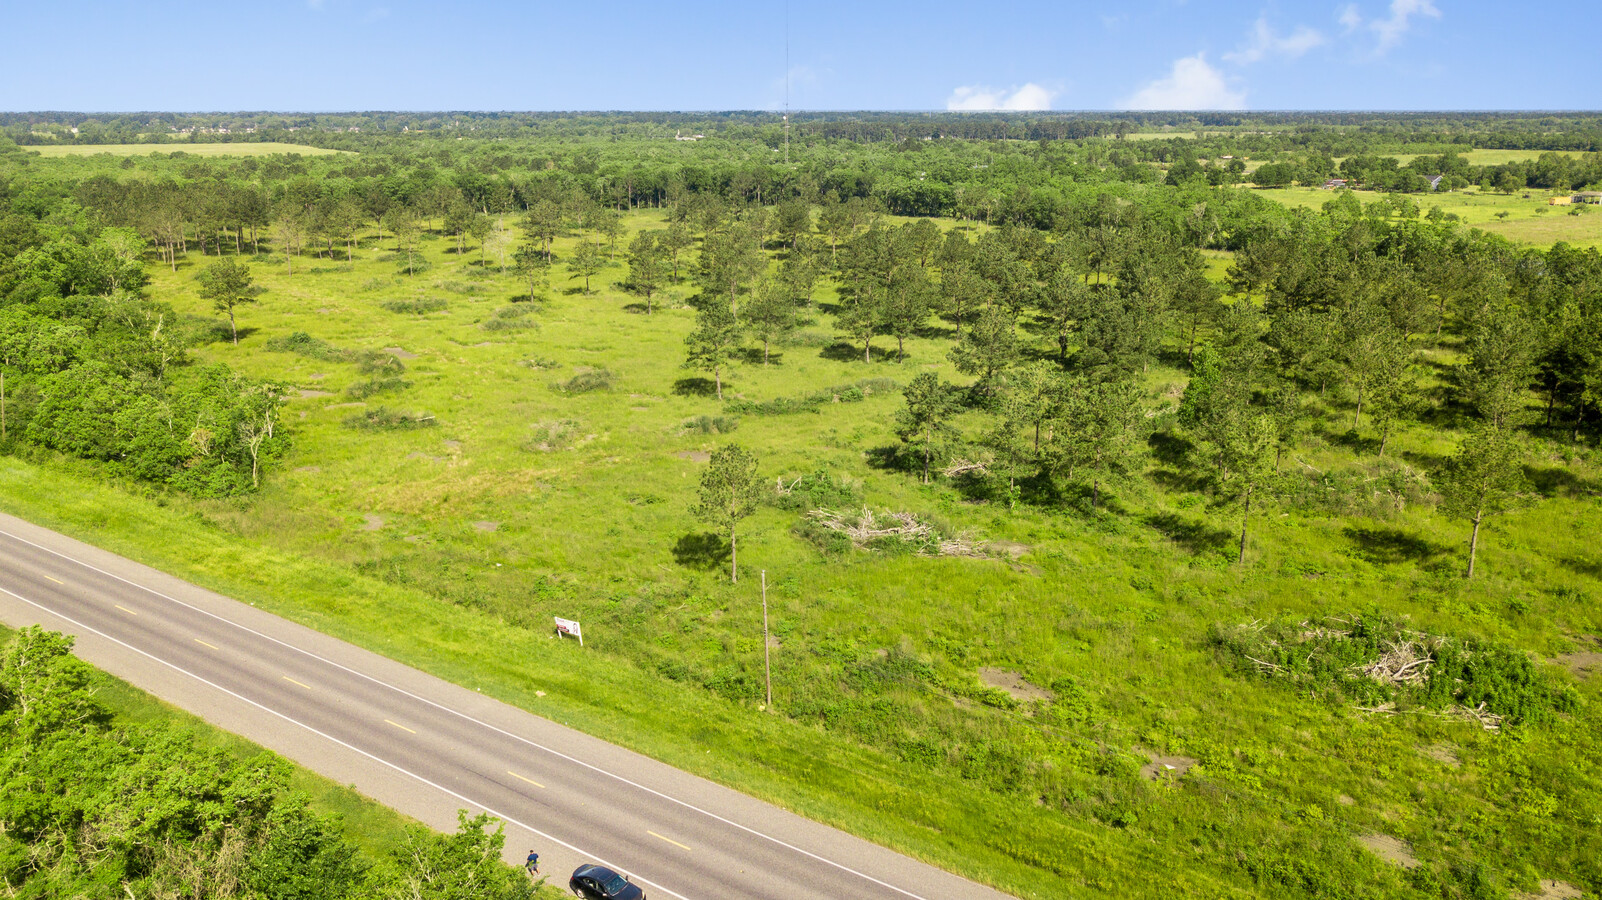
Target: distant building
1559 201
1334 184
1435 181
1588 197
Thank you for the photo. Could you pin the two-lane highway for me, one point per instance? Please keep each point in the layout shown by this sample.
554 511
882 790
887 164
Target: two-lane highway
429 748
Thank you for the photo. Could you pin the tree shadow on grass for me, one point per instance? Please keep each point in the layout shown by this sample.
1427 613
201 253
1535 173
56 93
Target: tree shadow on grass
695 387
844 351
1589 567
217 332
896 458
753 356
703 550
1197 536
1550 481
1381 544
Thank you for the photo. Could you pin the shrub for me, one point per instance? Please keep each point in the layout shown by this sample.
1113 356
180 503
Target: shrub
385 419
377 362
712 424
810 403
556 434
418 307
510 318
1371 659
585 382
361 390
304 344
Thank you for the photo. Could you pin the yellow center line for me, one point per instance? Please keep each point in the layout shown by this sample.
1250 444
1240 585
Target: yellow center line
401 727
126 610
521 778
668 839
302 684
56 580
204 644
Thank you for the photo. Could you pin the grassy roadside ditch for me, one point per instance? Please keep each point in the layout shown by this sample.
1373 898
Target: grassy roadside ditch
1013 846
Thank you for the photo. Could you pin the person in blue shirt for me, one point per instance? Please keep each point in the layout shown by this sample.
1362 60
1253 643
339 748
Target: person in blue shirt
533 863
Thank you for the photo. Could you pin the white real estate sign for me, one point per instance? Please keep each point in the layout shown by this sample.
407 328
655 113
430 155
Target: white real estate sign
568 626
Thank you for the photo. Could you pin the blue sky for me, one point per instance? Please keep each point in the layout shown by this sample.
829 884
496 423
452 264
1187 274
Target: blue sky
475 54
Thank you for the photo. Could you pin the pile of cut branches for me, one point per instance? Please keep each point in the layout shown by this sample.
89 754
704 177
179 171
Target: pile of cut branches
1377 665
867 530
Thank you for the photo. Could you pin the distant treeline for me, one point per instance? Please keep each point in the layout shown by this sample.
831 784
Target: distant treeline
1334 133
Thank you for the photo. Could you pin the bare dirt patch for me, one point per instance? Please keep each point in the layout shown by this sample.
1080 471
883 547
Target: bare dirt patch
312 469
1553 890
1586 661
1013 684
371 522
1346 800
1390 849
306 394
1160 766
487 526
1011 549
694 455
1441 753
453 445
399 353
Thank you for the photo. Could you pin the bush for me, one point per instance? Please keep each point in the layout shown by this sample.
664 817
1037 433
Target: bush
819 490
585 382
377 362
712 424
811 403
385 419
304 344
551 435
361 390
510 318
419 306
1333 657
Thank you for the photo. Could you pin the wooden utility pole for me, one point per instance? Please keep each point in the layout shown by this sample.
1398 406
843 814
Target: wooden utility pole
767 664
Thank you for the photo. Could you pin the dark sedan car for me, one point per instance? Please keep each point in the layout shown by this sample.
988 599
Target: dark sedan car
601 883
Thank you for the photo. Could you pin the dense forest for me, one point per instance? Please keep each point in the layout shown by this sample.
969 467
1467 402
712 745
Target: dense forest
1054 320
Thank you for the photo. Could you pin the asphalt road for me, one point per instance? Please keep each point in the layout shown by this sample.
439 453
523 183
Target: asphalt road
429 748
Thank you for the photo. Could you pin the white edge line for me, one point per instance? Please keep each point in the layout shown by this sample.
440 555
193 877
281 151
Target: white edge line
711 815
321 734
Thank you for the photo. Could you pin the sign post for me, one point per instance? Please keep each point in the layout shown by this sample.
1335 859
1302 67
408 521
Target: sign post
568 626
767 665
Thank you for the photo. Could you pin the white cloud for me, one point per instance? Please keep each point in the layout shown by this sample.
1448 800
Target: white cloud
1192 84
1263 42
1351 19
974 98
1390 30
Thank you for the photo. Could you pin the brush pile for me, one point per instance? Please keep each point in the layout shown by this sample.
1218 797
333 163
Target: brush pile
867 530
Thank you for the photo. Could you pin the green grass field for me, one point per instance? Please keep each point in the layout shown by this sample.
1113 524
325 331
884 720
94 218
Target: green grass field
1530 221
240 148
451 547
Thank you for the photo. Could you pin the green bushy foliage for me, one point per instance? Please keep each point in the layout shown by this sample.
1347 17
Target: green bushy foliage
419 306
385 419
585 382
